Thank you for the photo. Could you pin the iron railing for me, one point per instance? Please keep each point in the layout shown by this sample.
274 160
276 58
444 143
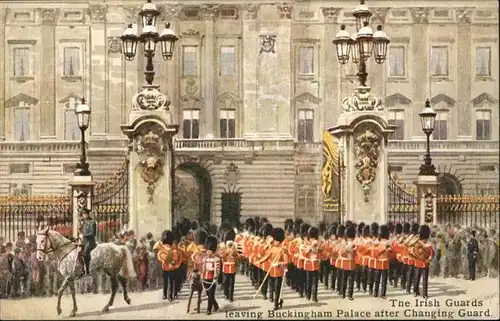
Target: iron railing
402 203
475 211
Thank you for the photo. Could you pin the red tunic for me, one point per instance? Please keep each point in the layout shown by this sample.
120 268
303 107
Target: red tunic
381 255
346 257
310 254
422 264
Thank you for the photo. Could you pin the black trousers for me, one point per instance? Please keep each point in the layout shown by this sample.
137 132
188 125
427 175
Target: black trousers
264 282
410 277
275 284
472 258
360 277
340 275
326 273
381 277
404 275
210 287
89 244
347 283
169 283
229 279
301 281
312 279
395 272
333 277
370 279
421 273
289 275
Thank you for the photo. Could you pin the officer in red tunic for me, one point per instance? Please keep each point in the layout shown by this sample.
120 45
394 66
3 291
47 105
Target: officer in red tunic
200 236
338 261
359 258
395 264
229 256
404 255
210 265
312 264
410 274
381 256
170 258
422 261
263 267
371 263
347 253
301 275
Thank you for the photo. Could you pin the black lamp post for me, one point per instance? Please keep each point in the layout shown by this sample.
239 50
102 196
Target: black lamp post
149 37
366 43
428 121
83 115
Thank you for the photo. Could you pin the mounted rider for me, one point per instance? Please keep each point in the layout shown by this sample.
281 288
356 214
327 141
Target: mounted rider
89 235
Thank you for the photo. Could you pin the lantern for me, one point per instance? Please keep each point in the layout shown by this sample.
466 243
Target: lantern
148 14
129 42
149 37
380 42
362 15
167 40
354 51
83 114
428 118
343 42
365 41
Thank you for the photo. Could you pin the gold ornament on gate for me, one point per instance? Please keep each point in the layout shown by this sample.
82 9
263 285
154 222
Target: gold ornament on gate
367 154
151 165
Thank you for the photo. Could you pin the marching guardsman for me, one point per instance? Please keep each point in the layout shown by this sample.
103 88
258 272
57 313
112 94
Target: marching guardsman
332 254
338 261
324 262
325 251
311 253
229 256
364 252
291 246
381 257
412 239
278 260
423 253
210 267
170 258
404 254
198 247
347 252
472 252
371 263
395 264
183 226
301 275
89 232
359 258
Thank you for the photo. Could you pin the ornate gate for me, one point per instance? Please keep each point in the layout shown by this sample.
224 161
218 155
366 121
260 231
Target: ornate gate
472 210
331 179
110 204
402 203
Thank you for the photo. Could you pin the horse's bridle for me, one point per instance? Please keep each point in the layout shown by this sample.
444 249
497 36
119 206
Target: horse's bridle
49 249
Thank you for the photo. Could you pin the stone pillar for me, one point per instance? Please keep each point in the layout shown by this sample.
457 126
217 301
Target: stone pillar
82 191
364 129
209 84
3 13
464 74
420 65
48 74
427 190
250 53
150 131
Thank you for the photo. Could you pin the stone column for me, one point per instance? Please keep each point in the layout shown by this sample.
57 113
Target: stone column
427 189
3 13
209 83
283 126
420 66
464 73
98 44
150 131
363 128
82 191
250 48
48 74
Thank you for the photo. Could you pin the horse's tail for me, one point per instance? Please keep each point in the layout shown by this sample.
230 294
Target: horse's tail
128 269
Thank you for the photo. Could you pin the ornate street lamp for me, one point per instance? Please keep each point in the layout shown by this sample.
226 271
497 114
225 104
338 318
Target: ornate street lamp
364 45
428 120
83 115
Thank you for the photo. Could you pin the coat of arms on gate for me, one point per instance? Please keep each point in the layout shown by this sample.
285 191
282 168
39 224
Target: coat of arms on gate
367 154
151 164
232 176
267 44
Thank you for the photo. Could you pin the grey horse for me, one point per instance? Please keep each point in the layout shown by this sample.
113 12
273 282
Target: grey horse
114 260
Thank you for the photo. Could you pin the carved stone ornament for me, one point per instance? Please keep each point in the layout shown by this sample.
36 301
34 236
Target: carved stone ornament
464 15
267 44
114 45
331 14
285 11
150 98
366 151
49 16
420 15
151 148
250 11
97 12
379 15
232 174
429 207
361 100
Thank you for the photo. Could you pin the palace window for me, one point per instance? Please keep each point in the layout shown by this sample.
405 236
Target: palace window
305 131
306 60
397 61
306 201
441 126
227 61
439 61
191 123
189 61
21 66
22 123
483 125
71 129
483 61
227 123
71 61
396 117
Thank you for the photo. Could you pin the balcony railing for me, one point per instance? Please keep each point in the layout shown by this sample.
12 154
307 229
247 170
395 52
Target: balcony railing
444 145
234 144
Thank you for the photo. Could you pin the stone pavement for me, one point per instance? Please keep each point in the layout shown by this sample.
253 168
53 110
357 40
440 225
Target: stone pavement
449 299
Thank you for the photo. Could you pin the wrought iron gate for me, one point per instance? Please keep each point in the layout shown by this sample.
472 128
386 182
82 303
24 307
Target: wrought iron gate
402 203
473 210
231 208
110 204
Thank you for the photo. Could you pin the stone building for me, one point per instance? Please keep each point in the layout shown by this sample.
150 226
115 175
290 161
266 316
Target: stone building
253 84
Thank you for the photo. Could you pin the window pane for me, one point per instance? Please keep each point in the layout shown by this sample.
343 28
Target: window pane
309 114
306 60
21 62
223 127
223 114
71 129
441 131
487 129
231 114
309 130
186 128
189 61
231 130
302 114
301 131
195 128
71 61
227 61
479 129
22 124
399 133
397 61
439 61
483 61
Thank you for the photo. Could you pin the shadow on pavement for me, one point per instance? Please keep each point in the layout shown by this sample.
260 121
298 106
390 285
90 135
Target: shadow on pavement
130 308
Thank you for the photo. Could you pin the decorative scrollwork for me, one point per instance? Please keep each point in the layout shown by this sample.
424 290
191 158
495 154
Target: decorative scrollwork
151 146
361 100
267 44
429 207
150 98
367 153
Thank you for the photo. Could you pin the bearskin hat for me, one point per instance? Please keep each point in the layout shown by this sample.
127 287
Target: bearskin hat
361 226
206 226
200 236
333 230
340 231
414 228
263 220
211 243
390 225
313 232
278 234
267 229
384 232
185 226
250 224
322 227
296 225
177 233
399 228
304 228
366 231
350 231
167 237
406 228
374 229
230 235
288 224
194 225
258 224
424 232
348 223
